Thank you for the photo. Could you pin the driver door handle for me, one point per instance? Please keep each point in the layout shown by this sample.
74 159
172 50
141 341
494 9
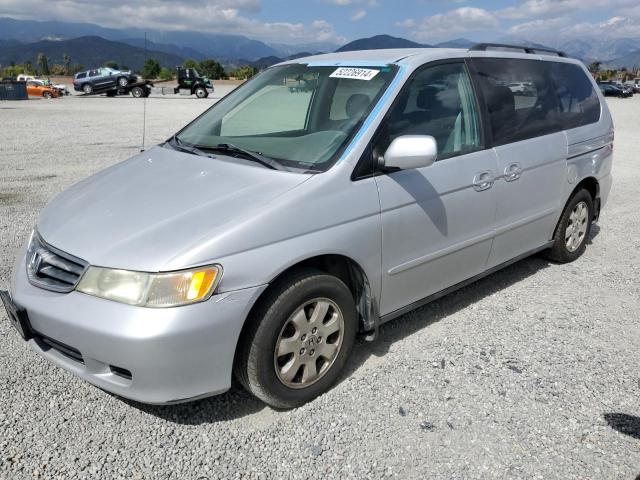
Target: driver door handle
483 181
512 172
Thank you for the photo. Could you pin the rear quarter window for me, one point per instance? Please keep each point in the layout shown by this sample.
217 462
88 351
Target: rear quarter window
520 98
81 75
578 102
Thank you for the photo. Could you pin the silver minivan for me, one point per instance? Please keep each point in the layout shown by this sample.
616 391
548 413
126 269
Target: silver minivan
317 201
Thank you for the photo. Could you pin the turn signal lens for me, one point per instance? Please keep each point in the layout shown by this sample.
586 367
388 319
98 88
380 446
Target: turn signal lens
156 290
179 288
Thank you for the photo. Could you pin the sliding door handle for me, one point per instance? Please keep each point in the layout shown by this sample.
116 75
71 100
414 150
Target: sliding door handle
483 181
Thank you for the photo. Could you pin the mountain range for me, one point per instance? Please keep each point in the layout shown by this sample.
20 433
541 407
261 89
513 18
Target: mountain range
92 45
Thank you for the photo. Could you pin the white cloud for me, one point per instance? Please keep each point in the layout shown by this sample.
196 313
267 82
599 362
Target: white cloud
359 15
346 3
453 22
211 16
540 25
532 9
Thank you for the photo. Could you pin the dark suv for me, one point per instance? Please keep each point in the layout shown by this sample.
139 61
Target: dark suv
101 78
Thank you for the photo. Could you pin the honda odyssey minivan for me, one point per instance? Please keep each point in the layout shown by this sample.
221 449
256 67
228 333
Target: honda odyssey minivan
317 201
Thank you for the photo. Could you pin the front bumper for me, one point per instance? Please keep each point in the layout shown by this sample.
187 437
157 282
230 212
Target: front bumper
172 354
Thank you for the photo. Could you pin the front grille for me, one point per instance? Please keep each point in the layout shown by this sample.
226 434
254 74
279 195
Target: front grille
47 343
52 269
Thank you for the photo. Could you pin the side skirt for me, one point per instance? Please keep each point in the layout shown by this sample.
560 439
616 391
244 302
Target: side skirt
412 306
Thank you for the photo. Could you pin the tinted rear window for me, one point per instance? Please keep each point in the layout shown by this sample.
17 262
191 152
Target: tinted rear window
81 75
530 98
578 101
520 97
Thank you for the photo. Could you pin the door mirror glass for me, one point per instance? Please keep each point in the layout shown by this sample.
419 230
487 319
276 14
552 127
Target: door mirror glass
411 151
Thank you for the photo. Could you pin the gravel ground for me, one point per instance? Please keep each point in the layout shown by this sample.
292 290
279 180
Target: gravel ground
532 372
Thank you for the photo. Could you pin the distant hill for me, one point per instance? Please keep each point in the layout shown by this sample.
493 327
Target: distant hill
169 48
87 51
261 63
379 42
456 43
212 45
586 48
629 61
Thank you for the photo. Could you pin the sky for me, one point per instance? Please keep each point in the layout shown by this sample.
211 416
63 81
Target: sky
339 21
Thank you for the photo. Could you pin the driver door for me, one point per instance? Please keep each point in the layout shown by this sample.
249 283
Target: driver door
437 221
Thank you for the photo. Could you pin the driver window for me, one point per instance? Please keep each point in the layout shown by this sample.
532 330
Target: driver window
439 102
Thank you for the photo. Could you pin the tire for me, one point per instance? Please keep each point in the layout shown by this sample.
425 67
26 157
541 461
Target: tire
47 95
87 89
572 231
273 346
123 81
201 92
137 92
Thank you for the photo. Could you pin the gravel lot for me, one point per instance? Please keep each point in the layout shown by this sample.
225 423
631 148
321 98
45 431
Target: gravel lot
533 372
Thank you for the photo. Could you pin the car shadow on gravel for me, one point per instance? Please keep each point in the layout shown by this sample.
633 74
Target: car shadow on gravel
442 308
439 309
233 404
623 423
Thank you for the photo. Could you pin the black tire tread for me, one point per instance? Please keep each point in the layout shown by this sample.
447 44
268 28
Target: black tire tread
246 358
558 252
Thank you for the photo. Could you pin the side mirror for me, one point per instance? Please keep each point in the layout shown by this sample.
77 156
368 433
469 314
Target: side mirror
410 151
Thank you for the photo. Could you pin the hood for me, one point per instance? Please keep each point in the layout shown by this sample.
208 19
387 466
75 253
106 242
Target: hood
146 211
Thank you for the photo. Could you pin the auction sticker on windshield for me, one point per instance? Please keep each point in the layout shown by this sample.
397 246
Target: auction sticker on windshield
354 73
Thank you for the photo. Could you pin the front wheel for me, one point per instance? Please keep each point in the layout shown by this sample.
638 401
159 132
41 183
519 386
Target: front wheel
47 95
297 340
572 231
123 81
201 92
137 92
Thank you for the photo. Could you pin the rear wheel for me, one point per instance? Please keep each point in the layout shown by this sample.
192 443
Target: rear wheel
297 340
123 81
47 95
570 238
87 89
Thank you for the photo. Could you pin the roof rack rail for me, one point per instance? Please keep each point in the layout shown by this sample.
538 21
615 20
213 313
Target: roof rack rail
482 47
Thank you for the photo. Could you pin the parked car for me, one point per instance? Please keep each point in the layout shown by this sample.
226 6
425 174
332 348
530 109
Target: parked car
60 87
610 90
634 87
102 78
263 236
36 88
522 88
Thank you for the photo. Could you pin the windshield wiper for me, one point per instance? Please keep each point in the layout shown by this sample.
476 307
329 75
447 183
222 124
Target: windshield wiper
178 144
248 155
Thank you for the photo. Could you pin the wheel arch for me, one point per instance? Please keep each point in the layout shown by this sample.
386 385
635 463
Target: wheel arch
591 185
342 267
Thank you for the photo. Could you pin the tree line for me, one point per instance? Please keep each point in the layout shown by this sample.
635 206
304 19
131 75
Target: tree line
150 70
604 75
209 68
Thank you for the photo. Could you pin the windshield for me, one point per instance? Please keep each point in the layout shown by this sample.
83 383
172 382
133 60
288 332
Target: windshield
301 116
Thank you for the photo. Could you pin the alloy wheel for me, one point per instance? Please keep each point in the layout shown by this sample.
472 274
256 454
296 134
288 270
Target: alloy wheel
576 227
309 343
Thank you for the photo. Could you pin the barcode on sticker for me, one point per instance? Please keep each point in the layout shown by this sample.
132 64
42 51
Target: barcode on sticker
354 73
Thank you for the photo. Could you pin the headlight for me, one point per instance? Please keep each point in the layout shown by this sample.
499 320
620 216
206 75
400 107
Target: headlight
155 290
